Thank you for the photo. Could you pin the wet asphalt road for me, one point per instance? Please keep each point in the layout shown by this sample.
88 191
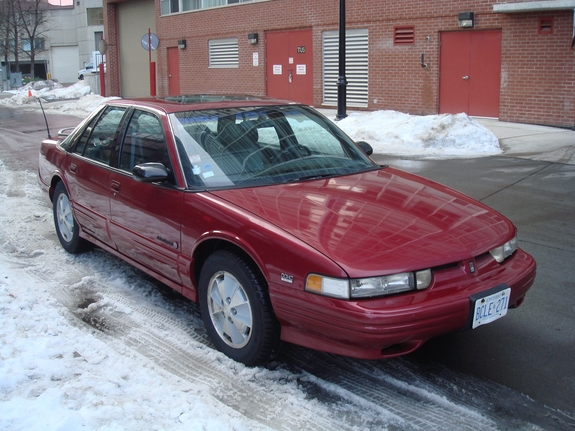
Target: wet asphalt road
532 349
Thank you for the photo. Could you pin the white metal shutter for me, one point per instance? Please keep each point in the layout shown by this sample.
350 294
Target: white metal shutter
356 67
224 53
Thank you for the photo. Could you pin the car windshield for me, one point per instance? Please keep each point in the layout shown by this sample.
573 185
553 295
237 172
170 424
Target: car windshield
245 147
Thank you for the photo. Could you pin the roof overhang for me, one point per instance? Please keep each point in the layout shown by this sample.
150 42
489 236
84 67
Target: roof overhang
534 6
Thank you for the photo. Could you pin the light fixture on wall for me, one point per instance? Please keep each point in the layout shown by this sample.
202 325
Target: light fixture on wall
253 38
182 44
467 19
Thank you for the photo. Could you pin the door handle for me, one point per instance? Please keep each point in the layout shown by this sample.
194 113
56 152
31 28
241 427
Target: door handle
290 77
115 187
466 77
73 168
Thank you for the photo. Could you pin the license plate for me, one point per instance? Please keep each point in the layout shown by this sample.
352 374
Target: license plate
490 308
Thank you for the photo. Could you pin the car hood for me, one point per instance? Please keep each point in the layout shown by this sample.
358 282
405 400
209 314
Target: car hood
379 222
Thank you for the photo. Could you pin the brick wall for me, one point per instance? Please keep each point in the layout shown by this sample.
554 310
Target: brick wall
537 71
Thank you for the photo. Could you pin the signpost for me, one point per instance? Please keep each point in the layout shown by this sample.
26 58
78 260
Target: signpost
150 42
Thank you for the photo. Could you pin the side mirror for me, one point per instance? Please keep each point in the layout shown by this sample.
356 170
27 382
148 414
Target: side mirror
365 147
150 172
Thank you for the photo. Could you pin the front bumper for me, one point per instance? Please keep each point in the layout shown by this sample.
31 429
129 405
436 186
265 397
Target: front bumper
396 325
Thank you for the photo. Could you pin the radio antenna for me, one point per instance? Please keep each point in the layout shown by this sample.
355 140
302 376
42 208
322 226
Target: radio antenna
45 119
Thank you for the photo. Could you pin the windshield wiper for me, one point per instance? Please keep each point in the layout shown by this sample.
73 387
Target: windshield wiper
309 177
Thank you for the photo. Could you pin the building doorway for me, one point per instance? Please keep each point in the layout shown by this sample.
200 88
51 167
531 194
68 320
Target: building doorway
289 65
470 72
173 72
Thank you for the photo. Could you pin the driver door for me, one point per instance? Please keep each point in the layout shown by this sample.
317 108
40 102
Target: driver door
146 217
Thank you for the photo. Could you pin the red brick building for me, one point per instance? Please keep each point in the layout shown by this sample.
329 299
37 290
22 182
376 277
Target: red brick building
514 60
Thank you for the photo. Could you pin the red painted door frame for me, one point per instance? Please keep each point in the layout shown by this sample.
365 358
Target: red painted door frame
289 65
470 72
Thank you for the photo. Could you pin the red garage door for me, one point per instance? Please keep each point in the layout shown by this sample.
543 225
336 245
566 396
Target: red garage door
289 65
470 72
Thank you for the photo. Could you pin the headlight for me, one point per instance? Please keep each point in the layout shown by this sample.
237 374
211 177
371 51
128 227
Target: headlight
506 250
369 287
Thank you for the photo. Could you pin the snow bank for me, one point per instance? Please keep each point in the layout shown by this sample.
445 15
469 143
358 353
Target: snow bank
431 136
76 99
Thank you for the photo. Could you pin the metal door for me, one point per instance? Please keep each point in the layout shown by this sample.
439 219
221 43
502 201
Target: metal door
289 65
173 72
470 72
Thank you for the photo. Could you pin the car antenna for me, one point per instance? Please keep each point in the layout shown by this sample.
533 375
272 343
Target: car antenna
45 119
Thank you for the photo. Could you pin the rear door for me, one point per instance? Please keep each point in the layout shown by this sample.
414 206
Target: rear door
146 217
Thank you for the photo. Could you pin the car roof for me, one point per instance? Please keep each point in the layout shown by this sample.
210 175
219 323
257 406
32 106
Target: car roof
173 104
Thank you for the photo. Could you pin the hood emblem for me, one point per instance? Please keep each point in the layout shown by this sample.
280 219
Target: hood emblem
472 267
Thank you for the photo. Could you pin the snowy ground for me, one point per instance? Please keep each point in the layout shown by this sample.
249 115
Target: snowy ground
89 343
389 132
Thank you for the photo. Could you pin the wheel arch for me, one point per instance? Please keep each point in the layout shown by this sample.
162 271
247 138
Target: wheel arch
209 246
53 183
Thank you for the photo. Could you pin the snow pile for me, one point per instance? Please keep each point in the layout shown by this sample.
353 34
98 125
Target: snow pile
431 136
48 91
81 107
76 99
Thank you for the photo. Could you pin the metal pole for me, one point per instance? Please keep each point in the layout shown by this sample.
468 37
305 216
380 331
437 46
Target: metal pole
342 81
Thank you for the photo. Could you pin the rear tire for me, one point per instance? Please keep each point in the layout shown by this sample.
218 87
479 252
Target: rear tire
236 308
66 226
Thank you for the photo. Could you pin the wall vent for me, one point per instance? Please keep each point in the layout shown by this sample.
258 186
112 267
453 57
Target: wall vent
403 35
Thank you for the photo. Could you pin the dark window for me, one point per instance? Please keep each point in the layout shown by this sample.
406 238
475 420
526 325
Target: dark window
99 141
144 142
403 35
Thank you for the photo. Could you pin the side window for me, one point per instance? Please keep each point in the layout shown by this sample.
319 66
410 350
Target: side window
98 141
83 139
144 142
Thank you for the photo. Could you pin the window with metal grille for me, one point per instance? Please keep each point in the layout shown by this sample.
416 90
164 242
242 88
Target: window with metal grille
403 35
356 70
545 26
224 53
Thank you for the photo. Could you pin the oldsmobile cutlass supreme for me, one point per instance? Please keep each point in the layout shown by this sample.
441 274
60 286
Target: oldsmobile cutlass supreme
281 227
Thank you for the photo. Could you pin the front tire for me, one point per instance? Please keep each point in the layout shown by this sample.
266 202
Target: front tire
66 226
236 308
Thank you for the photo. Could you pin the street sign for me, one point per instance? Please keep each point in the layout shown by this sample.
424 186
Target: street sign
153 41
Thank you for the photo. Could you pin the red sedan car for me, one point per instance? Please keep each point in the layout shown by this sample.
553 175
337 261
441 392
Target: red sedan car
281 227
